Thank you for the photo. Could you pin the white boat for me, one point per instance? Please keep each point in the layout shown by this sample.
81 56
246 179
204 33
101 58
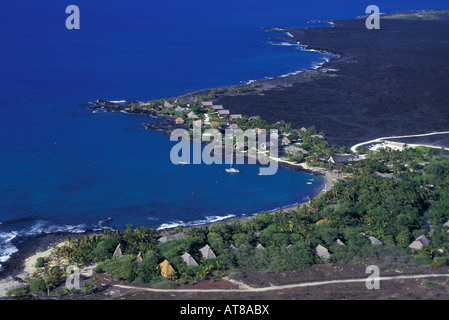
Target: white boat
232 170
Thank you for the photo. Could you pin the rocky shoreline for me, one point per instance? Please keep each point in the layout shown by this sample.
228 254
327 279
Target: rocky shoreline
377 83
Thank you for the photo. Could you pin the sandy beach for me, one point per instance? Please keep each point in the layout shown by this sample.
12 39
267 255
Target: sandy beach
19 280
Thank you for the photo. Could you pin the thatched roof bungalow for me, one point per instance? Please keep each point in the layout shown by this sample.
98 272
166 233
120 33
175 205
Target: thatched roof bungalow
207 104
192 115
207 252
118 251
322 252
180 121
188 259
420 242
166 269
223 113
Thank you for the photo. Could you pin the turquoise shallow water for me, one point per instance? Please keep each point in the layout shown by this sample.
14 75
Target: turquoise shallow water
64 168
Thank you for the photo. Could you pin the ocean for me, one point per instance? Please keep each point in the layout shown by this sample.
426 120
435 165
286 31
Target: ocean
64 168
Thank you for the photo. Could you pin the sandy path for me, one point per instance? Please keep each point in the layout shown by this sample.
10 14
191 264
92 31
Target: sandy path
245 288
354 147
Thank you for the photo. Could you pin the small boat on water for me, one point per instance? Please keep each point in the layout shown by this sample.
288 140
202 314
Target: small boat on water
232 170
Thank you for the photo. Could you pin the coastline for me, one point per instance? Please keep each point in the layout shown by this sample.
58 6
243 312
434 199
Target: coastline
274 86
16 268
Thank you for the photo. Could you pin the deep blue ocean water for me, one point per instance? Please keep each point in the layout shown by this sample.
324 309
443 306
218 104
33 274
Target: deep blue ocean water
64 168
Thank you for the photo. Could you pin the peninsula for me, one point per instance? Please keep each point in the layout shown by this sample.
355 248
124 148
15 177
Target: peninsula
388 209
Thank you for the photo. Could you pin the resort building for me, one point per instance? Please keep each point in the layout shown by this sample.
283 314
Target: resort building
197 123
207 252
181 109
141 104
138 258
118 251
264 146
235 116
420 242
168 105
291 150
166 269
192 115
286 142
322 252
343 158
207 104
217 107
188 259
223 113
180 121
375 241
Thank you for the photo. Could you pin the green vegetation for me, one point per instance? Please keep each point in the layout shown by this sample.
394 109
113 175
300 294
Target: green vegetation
38 285
18 292
421 15
413 200
40 262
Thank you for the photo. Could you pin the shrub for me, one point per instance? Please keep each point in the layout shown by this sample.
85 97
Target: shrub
123 267
237 275
18 292
106 247
39 262
165 284
38 285
422 260
440 262
148 269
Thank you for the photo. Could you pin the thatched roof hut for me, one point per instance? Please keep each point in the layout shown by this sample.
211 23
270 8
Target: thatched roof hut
374 241
166 268
321 222
207 252
168 105
188 259
180 120
207 104
286 141
322 252
118 251
192 115
419 243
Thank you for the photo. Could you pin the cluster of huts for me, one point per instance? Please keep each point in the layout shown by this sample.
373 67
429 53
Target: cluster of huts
165 266
217 109
416 245
207 253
